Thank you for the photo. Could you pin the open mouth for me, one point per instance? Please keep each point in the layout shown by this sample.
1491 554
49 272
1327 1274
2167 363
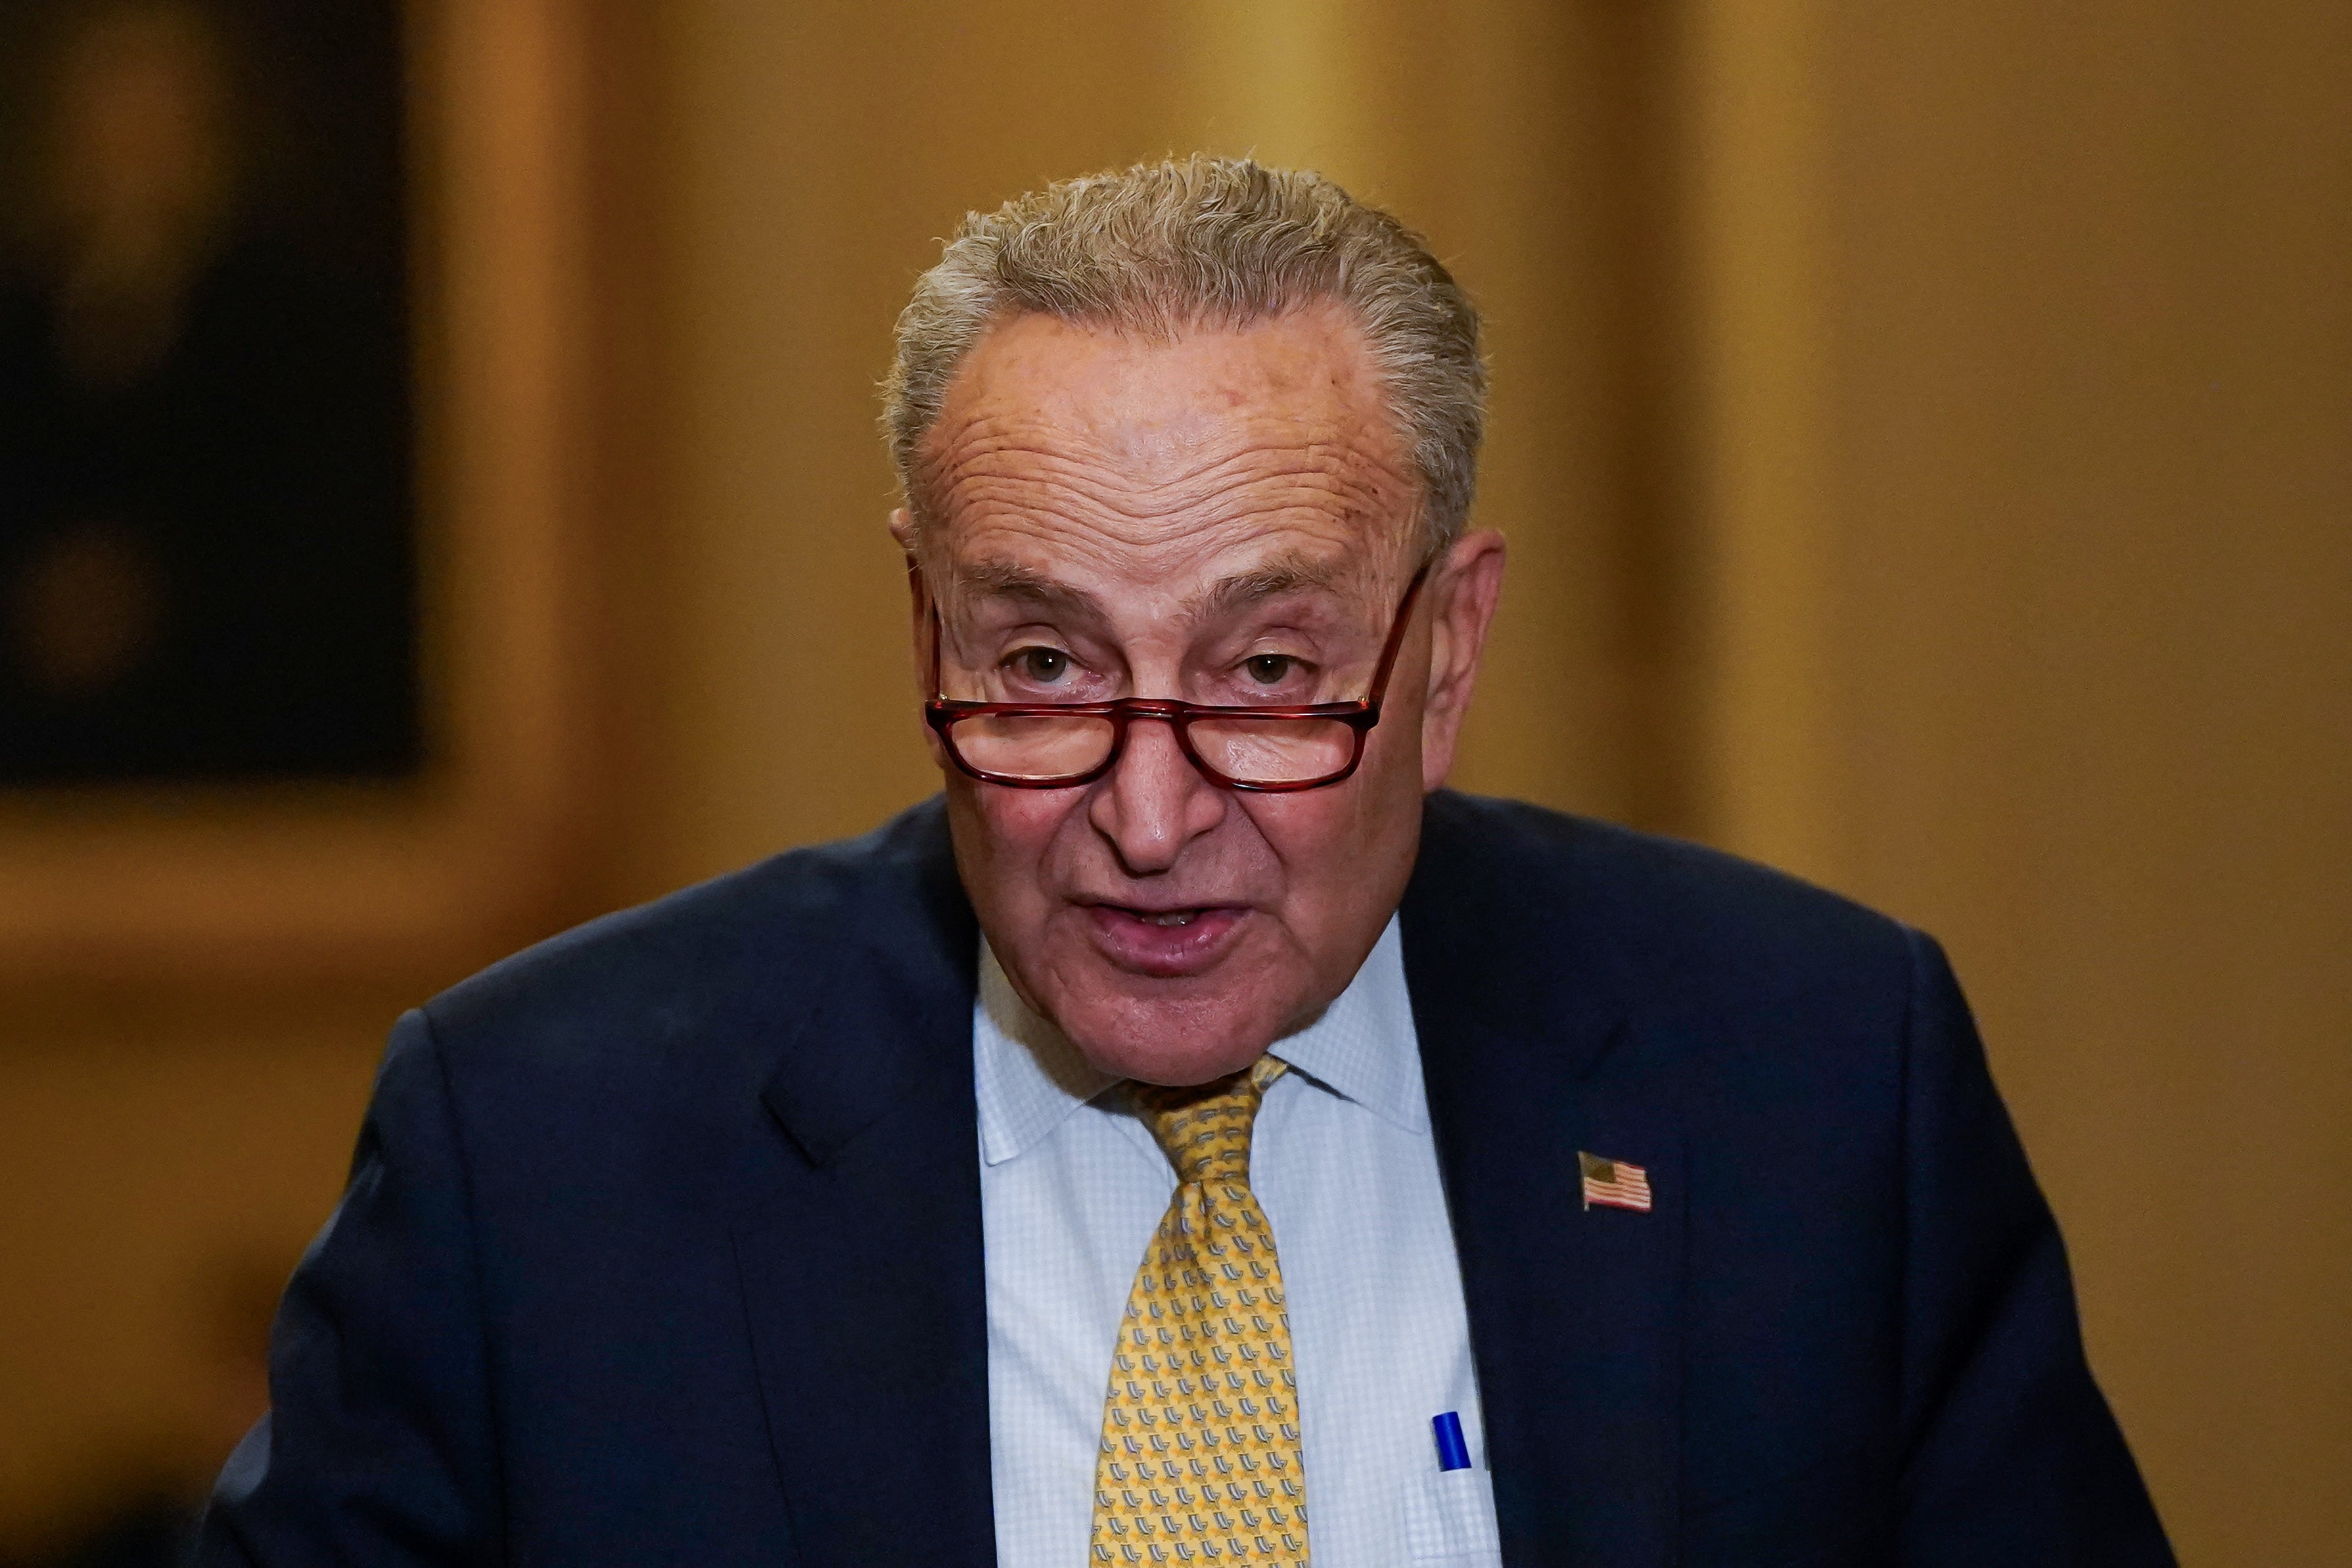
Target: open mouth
1166 920
1166 943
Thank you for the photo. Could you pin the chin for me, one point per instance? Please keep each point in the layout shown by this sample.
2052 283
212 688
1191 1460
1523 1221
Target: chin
1171 1042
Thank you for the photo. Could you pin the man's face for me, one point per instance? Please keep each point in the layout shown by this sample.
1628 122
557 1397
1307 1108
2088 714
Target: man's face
1227 518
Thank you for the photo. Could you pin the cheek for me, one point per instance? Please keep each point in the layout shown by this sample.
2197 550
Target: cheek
1336 845
1018 829
1316 834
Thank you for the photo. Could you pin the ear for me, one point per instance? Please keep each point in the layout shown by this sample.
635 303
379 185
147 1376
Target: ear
919 600
1467 586
919 621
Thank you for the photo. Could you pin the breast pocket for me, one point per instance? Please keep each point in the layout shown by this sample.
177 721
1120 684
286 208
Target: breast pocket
1449 1521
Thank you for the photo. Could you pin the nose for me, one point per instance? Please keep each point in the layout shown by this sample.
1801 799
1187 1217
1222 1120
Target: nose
1155 801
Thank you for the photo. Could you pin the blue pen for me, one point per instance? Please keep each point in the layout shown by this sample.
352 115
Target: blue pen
1453 1453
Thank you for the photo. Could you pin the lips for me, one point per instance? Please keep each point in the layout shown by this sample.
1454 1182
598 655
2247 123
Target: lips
1164 944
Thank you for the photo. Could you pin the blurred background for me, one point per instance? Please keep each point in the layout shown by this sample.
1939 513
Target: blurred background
1924 434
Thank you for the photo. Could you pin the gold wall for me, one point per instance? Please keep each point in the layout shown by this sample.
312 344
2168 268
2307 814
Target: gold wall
2067 676
1925 435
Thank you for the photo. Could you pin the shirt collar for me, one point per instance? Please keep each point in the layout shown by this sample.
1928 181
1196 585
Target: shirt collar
1029 1077
1363 1047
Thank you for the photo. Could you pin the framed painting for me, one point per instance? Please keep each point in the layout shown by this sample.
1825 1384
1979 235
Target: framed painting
294 578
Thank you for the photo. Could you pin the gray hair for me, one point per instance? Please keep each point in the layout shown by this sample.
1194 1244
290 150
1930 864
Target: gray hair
1200 241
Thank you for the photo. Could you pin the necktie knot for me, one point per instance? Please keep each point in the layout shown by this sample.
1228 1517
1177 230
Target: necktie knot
1205 1129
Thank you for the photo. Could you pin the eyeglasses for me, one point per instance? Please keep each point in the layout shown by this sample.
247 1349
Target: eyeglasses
1044 746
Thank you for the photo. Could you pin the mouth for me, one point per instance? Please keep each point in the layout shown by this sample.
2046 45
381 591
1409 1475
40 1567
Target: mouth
1163 943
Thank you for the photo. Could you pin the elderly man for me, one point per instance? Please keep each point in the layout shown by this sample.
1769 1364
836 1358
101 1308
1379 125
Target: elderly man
1202 1138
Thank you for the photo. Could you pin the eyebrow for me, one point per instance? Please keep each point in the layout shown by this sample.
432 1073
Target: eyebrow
1025 584
1011 580
1282 575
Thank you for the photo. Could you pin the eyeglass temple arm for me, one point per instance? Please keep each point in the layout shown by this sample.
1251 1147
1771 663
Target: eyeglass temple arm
938 628
1396 632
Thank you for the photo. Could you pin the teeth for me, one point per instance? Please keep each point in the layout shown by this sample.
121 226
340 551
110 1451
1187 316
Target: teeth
1173 917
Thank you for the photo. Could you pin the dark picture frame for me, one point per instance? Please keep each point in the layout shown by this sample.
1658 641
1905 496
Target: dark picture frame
226 880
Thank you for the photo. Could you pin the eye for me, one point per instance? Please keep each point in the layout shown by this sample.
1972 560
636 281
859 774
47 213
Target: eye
1269 669
1043 665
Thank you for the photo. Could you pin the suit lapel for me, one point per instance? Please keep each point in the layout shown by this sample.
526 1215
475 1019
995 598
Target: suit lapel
861 1271
1575 1312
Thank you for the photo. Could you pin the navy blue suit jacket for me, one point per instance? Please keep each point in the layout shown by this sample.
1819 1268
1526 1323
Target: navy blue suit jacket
663 1240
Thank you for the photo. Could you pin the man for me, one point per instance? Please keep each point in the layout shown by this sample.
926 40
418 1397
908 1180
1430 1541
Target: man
1202 1139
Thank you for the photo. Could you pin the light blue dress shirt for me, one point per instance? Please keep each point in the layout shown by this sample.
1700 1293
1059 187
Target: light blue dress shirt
1072 1186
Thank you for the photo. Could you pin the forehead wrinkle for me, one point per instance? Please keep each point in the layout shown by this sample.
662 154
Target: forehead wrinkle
1269 497
991 451
1146 414
1170 456
1230 492
1058 449
1051 491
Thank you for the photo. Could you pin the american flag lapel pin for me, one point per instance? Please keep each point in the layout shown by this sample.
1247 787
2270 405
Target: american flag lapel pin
1614 1183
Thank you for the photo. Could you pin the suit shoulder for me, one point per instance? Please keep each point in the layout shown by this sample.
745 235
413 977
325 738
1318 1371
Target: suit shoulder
1663 904
771 929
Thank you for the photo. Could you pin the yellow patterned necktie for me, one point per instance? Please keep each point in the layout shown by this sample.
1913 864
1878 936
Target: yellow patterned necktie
1199 1440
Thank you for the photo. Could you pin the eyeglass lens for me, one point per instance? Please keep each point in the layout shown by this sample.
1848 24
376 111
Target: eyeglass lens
1245 749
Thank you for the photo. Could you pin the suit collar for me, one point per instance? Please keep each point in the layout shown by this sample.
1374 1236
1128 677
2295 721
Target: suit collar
1504 959
892 944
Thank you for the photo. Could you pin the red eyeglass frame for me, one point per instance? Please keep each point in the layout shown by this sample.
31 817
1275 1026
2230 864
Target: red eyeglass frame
942 713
